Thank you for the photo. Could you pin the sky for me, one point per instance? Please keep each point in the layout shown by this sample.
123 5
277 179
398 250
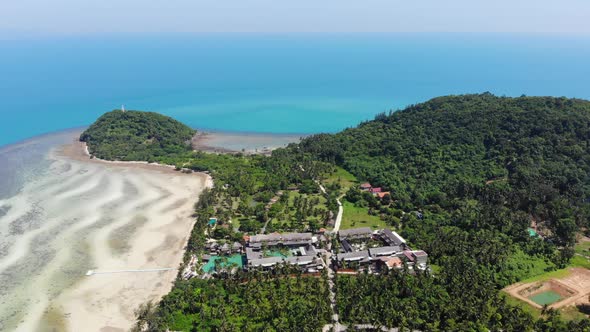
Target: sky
82 17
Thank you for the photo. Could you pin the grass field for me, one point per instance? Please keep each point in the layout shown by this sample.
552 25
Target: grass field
359 217
549 275
345 179
583 248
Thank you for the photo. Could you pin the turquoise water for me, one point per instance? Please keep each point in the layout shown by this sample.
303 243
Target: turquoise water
277 84
547 297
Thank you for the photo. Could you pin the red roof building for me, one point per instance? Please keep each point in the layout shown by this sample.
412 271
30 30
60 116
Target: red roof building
409 256
366 186
394 262
382 194
375 190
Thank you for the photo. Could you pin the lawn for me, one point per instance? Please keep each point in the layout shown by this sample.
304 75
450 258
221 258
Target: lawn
359 217
549 275
536 313
346 179
583 248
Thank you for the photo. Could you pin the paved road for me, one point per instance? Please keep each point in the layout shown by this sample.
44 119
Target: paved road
340 208
336 326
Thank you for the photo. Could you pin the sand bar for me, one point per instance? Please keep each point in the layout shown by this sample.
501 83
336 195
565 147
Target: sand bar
104 216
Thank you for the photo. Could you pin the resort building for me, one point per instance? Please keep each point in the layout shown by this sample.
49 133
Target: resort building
420 257
375 190
268 250
366 186
384 251
392 262
360 246
358 256
392 238
285 239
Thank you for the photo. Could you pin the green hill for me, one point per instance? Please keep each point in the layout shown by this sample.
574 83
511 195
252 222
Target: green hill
134 135
531 152
468 175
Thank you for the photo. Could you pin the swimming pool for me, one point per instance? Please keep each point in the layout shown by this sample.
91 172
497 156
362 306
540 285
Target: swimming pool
234 259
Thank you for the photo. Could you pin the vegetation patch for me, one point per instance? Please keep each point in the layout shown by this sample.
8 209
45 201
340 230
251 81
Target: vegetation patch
133 135
353 217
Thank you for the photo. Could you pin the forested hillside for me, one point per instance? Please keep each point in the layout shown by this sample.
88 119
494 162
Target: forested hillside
468 175
133 135
528 154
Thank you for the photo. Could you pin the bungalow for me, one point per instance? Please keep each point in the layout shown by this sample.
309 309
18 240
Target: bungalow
236 247
420 257
409 257
382 194
366 186
225 248
392 262
375 191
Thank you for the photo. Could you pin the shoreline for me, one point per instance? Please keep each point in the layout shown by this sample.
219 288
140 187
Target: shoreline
108 301
249 141
239 142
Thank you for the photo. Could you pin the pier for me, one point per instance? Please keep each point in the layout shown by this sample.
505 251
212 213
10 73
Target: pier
93 272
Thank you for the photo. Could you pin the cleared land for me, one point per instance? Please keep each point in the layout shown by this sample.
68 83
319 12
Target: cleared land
343 177
359 217
557 289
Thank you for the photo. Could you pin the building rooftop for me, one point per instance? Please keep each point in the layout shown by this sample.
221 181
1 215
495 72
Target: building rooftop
299 260
382 194
394 262
353 256
265 262
347 247
392 238
355 232
420 253
251 254
409 255
284 238
384 251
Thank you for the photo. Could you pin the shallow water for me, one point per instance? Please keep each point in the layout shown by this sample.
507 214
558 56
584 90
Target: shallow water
53 213
546 297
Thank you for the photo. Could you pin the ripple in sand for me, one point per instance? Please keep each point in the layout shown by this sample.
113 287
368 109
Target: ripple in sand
119 238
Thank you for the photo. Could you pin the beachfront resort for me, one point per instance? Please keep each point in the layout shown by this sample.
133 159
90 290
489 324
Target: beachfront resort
348 251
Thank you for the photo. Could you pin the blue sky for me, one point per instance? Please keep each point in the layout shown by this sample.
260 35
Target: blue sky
58 17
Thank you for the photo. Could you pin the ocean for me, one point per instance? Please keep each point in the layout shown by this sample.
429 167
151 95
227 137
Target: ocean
271 83
53 210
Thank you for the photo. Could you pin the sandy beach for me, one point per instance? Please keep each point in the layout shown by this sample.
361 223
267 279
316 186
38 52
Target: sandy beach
250 143
101 216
